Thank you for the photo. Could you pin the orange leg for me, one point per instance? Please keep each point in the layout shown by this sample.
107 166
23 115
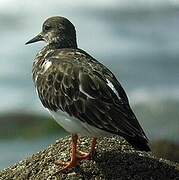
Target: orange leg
74 161
77 156
82 155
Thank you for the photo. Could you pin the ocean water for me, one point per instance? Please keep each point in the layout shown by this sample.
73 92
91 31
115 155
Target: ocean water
13 151
138 41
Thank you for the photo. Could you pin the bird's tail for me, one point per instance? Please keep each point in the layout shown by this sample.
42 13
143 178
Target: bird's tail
139 143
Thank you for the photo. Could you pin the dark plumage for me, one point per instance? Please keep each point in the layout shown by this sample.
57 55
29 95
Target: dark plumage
70 81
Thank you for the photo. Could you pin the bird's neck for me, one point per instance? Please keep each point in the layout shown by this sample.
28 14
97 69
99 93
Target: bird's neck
70 43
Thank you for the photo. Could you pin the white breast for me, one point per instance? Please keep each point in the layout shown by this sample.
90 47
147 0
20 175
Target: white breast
75 126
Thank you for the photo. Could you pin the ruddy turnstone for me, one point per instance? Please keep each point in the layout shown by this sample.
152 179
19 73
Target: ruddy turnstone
82 95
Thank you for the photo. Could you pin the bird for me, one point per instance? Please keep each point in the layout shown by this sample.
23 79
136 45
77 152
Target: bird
81 94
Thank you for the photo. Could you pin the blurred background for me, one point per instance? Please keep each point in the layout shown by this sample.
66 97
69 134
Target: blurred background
138 40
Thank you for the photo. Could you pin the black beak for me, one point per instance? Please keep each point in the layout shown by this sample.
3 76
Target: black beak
37 38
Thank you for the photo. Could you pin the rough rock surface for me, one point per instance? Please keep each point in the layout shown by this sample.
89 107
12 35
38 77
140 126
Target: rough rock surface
114 159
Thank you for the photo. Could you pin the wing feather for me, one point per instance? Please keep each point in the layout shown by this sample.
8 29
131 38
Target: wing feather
83 91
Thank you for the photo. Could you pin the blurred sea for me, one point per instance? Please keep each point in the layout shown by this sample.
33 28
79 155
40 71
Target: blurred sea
138 41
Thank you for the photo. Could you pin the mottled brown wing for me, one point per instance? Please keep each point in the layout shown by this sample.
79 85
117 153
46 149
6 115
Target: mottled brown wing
85 92
57 87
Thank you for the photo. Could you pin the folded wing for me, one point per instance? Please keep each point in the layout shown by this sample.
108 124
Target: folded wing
92 94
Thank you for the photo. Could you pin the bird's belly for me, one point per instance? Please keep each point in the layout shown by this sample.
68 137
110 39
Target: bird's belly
75 126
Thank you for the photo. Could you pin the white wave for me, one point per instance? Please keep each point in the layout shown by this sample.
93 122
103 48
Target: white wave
154 94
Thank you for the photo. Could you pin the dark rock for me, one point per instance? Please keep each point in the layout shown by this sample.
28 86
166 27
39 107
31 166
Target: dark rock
114 159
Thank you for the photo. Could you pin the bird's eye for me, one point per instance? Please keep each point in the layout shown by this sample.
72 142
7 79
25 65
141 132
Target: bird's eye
47 27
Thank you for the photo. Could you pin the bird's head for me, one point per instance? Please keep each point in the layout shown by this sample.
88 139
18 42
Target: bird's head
57 31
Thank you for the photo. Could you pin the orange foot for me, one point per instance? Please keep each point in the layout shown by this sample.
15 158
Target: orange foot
84 156
77 156
74 160
67 165
87 156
